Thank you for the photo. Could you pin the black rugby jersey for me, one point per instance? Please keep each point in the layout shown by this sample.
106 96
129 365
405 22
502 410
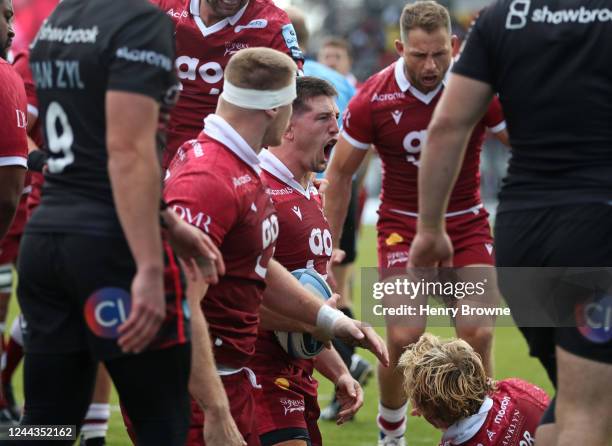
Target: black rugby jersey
84 49
550 62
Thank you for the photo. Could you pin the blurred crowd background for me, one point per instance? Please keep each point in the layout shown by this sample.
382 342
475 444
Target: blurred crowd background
370 27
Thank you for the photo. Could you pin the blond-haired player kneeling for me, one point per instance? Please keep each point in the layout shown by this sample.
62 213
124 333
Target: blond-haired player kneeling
448 386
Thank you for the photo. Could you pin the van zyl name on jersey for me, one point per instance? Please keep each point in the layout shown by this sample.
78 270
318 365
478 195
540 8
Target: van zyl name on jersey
64 74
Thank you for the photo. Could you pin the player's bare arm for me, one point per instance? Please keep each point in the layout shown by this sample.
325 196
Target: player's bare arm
285 295
344 164
463 103
348 391
134 174
204 382
191 243
11 185
271 320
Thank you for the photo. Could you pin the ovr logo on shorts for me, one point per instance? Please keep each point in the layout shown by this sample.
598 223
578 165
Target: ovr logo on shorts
106 309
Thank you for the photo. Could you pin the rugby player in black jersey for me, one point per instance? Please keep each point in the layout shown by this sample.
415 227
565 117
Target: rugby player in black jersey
547 60
97 283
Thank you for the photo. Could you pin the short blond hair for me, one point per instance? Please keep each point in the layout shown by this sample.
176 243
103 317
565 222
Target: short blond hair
426 15
260 69
444 379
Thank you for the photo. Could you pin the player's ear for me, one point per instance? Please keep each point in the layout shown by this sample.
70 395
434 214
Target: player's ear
399 47
271 113
289 133
455 44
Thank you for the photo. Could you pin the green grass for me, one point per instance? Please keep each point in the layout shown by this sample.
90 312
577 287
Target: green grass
511 359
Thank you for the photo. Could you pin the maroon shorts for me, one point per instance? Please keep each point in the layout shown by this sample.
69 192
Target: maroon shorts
9 248
470 233
286 406
240 393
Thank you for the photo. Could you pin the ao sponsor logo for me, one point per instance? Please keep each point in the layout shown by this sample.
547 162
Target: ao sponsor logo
320 242
269 234
380 97
189 68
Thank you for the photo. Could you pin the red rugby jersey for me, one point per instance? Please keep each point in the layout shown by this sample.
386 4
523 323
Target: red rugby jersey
391 114
214 184
304 241
202 53
33 180
13 131
509 417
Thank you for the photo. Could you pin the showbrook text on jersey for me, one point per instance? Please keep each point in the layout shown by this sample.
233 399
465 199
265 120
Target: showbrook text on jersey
67 35
518 15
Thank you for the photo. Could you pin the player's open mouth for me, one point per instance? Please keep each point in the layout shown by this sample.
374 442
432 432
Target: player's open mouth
430 80
328 148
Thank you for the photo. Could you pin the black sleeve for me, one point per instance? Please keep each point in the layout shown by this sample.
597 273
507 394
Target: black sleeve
142 56
475 59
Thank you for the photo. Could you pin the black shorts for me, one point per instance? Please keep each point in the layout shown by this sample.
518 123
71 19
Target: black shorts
348 240
575 236
74 293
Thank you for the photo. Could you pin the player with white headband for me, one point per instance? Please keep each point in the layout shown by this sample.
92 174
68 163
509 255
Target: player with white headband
214 183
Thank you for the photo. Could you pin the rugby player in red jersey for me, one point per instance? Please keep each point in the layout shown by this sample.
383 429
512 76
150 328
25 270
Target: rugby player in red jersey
448 386
208 33
214 183
13 156
286 407
391 111
9 247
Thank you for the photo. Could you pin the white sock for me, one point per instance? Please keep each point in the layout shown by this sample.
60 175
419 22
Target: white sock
96 421
394 417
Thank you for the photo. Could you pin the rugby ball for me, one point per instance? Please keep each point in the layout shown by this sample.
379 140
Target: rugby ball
303 345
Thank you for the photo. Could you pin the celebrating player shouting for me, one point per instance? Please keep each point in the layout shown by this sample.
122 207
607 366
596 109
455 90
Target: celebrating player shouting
208 33
392 111
214 182
304 241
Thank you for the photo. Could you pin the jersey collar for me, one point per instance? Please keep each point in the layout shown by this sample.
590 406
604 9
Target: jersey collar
404 83
271 164
218 129
194 9
463 430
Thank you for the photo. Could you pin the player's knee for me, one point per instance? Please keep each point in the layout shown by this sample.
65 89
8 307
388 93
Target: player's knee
573 415
591 428
398 340
480 338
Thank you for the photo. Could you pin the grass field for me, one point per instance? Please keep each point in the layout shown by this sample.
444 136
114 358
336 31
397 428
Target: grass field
511 359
